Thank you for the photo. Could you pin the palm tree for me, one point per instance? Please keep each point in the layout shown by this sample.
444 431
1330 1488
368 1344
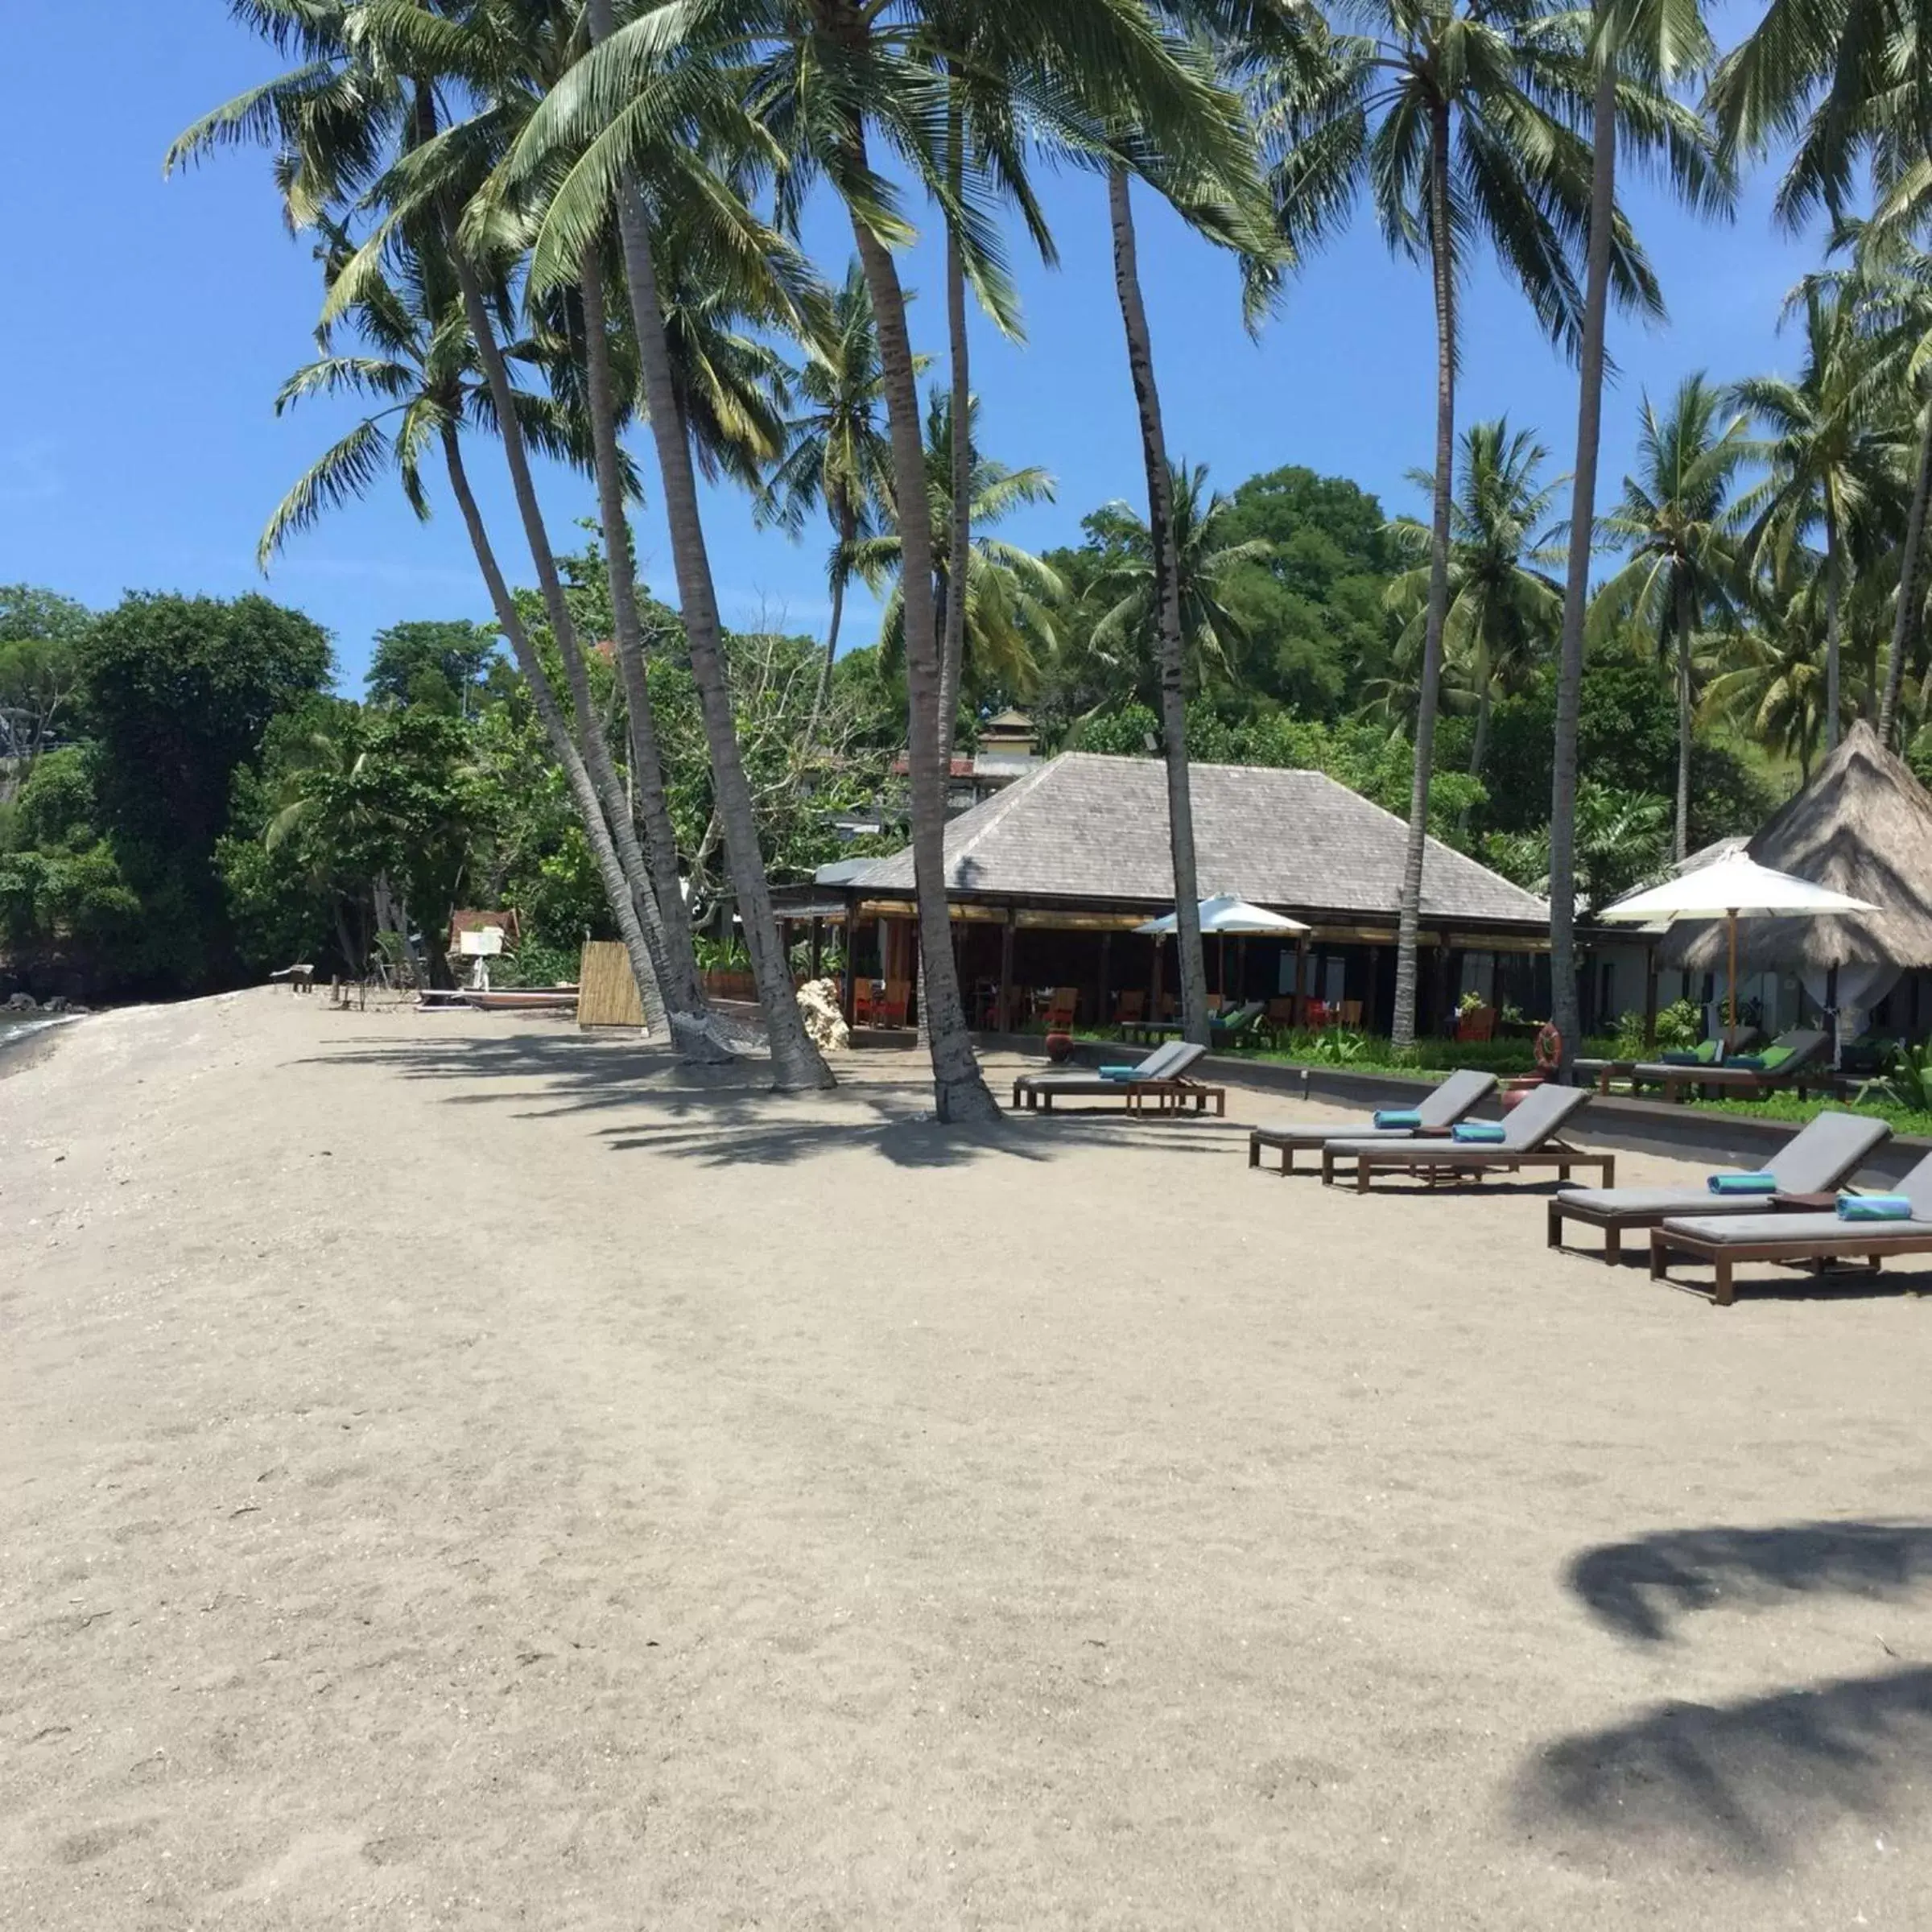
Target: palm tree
1679 523
418 366
659 180
1205 560
826 79
1641 50
1835 465
1459 120
1008 607
1769 680
835 456
1502 612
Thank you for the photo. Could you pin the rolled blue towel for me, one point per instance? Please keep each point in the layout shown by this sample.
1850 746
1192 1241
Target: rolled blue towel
1397 1116
1480 1133
1753 1063
1743 1183
1874 1207
1676 1056
1118 1072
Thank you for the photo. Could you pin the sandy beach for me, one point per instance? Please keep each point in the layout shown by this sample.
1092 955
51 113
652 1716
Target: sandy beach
460 1473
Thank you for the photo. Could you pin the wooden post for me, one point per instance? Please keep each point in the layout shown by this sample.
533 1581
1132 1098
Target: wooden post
1650 997
1731 1002
1160 955
1003 1011
1375 967
1106 975
1301 980
850 1001
817 945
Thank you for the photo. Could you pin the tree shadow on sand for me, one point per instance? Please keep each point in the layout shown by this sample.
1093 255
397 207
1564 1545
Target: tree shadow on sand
726 1115
1746 1780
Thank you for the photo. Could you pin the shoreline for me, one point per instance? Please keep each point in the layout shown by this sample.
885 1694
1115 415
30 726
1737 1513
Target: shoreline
32 1043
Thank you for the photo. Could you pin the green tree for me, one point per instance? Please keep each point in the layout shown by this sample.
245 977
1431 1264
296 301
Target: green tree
177 693
444 664
40 632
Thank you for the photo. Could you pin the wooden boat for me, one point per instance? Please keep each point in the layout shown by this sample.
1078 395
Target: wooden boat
519 999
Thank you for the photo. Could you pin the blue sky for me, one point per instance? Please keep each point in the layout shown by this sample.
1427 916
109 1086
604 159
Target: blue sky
139 449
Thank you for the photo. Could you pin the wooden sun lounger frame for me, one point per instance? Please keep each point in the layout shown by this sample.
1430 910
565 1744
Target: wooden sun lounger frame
1412 1158
1867 1238
1174 1095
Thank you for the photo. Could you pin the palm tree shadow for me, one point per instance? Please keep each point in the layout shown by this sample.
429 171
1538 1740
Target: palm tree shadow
1747 1780
728 1115
1750 1779
1637 1587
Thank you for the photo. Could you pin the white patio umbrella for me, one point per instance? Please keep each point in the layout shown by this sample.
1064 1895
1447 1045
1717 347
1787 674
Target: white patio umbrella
1729 889
1222 914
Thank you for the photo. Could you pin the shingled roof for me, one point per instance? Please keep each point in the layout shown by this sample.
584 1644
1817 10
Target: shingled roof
1084 827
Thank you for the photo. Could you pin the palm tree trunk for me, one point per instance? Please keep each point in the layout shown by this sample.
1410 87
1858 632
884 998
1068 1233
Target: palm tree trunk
1905 618
1479 747
1681 626
847 526
590 731
1564 1011
682 990
959 559
583 791
796 1063
959 1092
1167 611
1442 255
1831 630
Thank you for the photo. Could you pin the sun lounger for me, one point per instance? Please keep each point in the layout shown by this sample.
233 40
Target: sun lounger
1442 1107
1162 1078
1600 1073
1530 1139
1790 1058
1241 1024
1819 1159
1724 1241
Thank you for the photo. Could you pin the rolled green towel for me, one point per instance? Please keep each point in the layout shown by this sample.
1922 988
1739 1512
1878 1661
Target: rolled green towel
1874 1207
1478 1133
1676 1056
1397 1116
1743 1183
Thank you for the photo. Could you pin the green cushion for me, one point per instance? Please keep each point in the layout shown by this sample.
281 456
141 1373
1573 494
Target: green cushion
1707 1052
1773 1057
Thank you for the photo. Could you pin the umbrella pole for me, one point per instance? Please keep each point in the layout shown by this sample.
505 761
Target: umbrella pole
1731 1027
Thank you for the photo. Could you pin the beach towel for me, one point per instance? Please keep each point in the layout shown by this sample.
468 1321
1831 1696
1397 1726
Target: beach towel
1743 1183
1481 1134
1397 1116
1874 1207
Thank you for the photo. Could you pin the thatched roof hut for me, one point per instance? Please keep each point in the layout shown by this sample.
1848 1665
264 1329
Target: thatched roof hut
1864 827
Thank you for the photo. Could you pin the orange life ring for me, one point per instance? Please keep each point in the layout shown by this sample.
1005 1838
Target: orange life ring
1549 1046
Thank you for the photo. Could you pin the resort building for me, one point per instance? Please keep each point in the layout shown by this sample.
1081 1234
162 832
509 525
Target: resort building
1048 877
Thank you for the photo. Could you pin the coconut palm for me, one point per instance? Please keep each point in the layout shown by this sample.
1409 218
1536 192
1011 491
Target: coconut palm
1837 463
828 79
1640 50
662 175
834 456
1007 608
1503 612
1678 523
418 363
1459 120
1205 560
1768 679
